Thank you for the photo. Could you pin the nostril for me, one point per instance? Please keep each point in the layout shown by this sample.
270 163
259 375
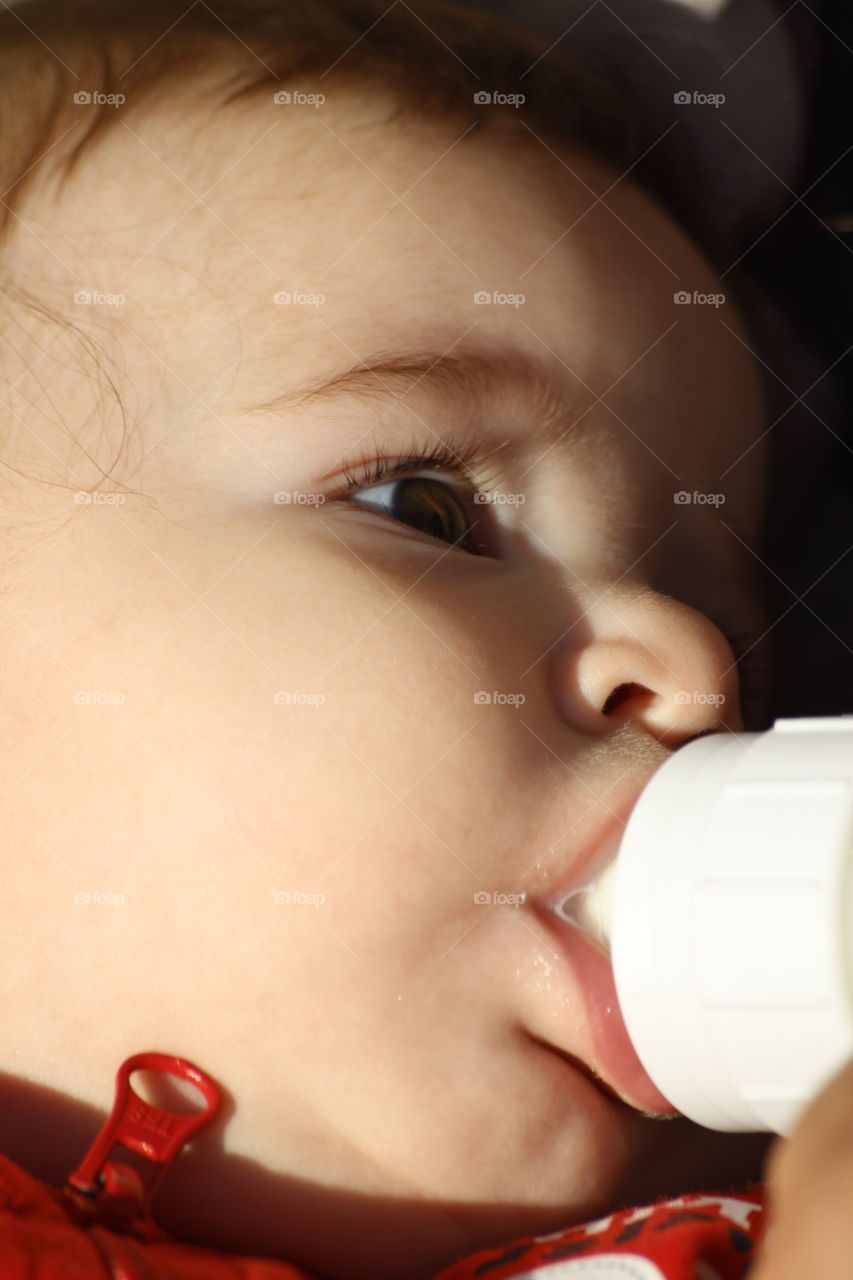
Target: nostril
618 696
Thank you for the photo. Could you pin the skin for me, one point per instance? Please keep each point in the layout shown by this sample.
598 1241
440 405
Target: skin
391 1099
810 1177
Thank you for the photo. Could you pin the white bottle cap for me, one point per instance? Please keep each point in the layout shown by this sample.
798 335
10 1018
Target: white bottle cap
731 922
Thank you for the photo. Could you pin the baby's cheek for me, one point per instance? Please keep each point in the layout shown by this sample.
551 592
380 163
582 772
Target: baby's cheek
397 732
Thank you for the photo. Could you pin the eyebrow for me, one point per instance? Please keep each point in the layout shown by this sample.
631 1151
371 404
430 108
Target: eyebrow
475 376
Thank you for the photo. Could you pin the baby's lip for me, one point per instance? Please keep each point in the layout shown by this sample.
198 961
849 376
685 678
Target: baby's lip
586 865
605 1047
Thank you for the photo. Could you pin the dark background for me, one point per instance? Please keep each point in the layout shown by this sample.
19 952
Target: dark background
808 261
794 281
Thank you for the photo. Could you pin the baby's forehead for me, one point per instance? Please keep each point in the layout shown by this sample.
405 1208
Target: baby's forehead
308 178
319 217
264 242
188 207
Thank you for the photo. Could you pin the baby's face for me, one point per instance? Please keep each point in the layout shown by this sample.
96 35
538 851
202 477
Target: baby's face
286 766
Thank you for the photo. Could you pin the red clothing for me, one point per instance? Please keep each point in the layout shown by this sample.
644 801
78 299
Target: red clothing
693 1237
98 1227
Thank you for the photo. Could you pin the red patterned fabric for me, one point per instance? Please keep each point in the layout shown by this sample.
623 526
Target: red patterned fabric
693 1237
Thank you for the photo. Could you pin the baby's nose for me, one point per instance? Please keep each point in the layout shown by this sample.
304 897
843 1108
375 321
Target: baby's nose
647 658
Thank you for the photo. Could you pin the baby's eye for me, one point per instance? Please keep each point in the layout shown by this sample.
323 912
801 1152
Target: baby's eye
434 507
440 490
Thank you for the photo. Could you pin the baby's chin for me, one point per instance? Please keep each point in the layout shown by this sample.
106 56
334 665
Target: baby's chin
586 1153
561 1147
550 1151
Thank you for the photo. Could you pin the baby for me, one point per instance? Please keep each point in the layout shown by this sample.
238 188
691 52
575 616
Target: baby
293 769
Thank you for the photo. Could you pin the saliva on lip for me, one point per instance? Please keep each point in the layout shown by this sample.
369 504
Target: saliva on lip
590 908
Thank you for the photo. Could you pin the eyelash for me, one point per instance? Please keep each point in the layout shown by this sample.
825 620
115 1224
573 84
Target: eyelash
464 461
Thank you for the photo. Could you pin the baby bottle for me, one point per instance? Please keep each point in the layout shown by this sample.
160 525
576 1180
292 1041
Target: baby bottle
728 913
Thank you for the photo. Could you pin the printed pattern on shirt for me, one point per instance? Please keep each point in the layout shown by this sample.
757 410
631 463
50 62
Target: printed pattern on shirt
693 1237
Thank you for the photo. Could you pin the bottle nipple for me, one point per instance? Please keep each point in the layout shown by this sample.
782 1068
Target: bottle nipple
590 908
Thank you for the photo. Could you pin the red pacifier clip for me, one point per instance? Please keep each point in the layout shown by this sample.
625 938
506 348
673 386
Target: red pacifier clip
110 1191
